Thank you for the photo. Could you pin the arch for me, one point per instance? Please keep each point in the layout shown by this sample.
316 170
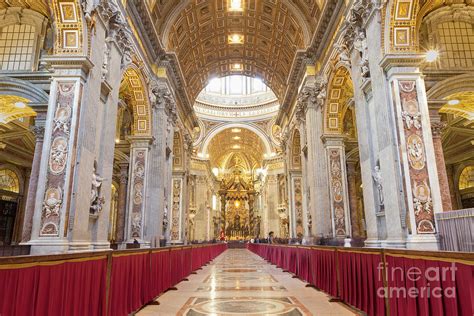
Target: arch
295 152
340 94
261 134
403 22
178 151
23 89
15 174
267 50
135 85
70 29
452 85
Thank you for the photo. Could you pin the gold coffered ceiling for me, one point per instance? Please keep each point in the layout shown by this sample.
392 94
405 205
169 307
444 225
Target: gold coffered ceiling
233 141
198 32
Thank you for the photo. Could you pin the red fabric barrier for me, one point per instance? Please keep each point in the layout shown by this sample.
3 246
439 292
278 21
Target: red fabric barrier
303 263
160 272
323 273
130 286
177 269
429 287
74 287
360 277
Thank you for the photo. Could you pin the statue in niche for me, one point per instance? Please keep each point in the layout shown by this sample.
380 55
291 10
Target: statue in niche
96 200
165 218
377 176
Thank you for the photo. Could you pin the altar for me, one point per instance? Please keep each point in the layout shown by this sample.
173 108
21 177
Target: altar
237 207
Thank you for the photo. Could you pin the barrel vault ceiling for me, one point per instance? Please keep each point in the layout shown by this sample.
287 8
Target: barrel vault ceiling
198 31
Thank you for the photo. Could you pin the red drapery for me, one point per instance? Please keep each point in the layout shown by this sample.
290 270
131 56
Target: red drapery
429 287
130 283
71 287
322 266
361 276
160 273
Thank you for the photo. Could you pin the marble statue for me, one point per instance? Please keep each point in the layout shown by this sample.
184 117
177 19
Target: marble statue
377 176
96 200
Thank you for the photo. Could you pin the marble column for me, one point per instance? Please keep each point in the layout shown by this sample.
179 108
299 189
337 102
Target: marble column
415 149
223 219
38 130
137 189
159 182
452 187
356 223
301 121
337 175
312 98
437 127
122 203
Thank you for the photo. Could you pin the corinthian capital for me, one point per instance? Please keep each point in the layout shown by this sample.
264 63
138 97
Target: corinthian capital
313 94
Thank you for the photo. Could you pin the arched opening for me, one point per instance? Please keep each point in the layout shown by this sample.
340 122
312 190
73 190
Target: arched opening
340 123
11 200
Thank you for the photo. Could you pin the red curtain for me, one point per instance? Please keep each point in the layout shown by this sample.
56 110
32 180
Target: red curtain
361 277
62 288
322 266
130 286
303 263
429 287
160 272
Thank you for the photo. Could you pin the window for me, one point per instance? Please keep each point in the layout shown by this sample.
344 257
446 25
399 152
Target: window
456 40
17 43
9 181
466 179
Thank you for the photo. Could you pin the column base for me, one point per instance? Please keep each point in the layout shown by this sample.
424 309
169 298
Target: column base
80 246
394 243
373 243
48 246
423 242
100 246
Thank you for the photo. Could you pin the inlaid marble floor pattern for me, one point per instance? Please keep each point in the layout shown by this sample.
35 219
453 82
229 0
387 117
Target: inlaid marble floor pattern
239 282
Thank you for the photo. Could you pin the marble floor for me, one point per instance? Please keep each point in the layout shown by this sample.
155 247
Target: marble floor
239 282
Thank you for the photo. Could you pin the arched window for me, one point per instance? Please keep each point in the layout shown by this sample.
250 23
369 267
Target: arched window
450 30
9 181
466 179
17 45
22 33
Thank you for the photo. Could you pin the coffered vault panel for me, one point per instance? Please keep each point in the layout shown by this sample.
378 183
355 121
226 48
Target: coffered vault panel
236 140
273 31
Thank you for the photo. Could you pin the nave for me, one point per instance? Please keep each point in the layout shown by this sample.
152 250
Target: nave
239 282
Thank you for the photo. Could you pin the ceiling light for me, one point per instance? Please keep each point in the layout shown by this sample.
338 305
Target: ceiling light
20 105
236 147
117 140
235 5
236 67
454 102
236 130
432 55
236 39
236 138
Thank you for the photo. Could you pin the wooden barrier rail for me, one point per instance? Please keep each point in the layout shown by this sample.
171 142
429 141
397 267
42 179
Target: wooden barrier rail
96 283
382 281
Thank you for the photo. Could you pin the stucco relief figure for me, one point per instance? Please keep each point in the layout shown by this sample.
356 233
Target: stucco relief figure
61 120
88 7
138 190
360 44
58 157
343 52
416 154
136 225
96 200
377 176
310 223
52 202
412 120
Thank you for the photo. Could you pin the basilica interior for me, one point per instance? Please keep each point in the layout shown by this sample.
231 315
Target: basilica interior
199 125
